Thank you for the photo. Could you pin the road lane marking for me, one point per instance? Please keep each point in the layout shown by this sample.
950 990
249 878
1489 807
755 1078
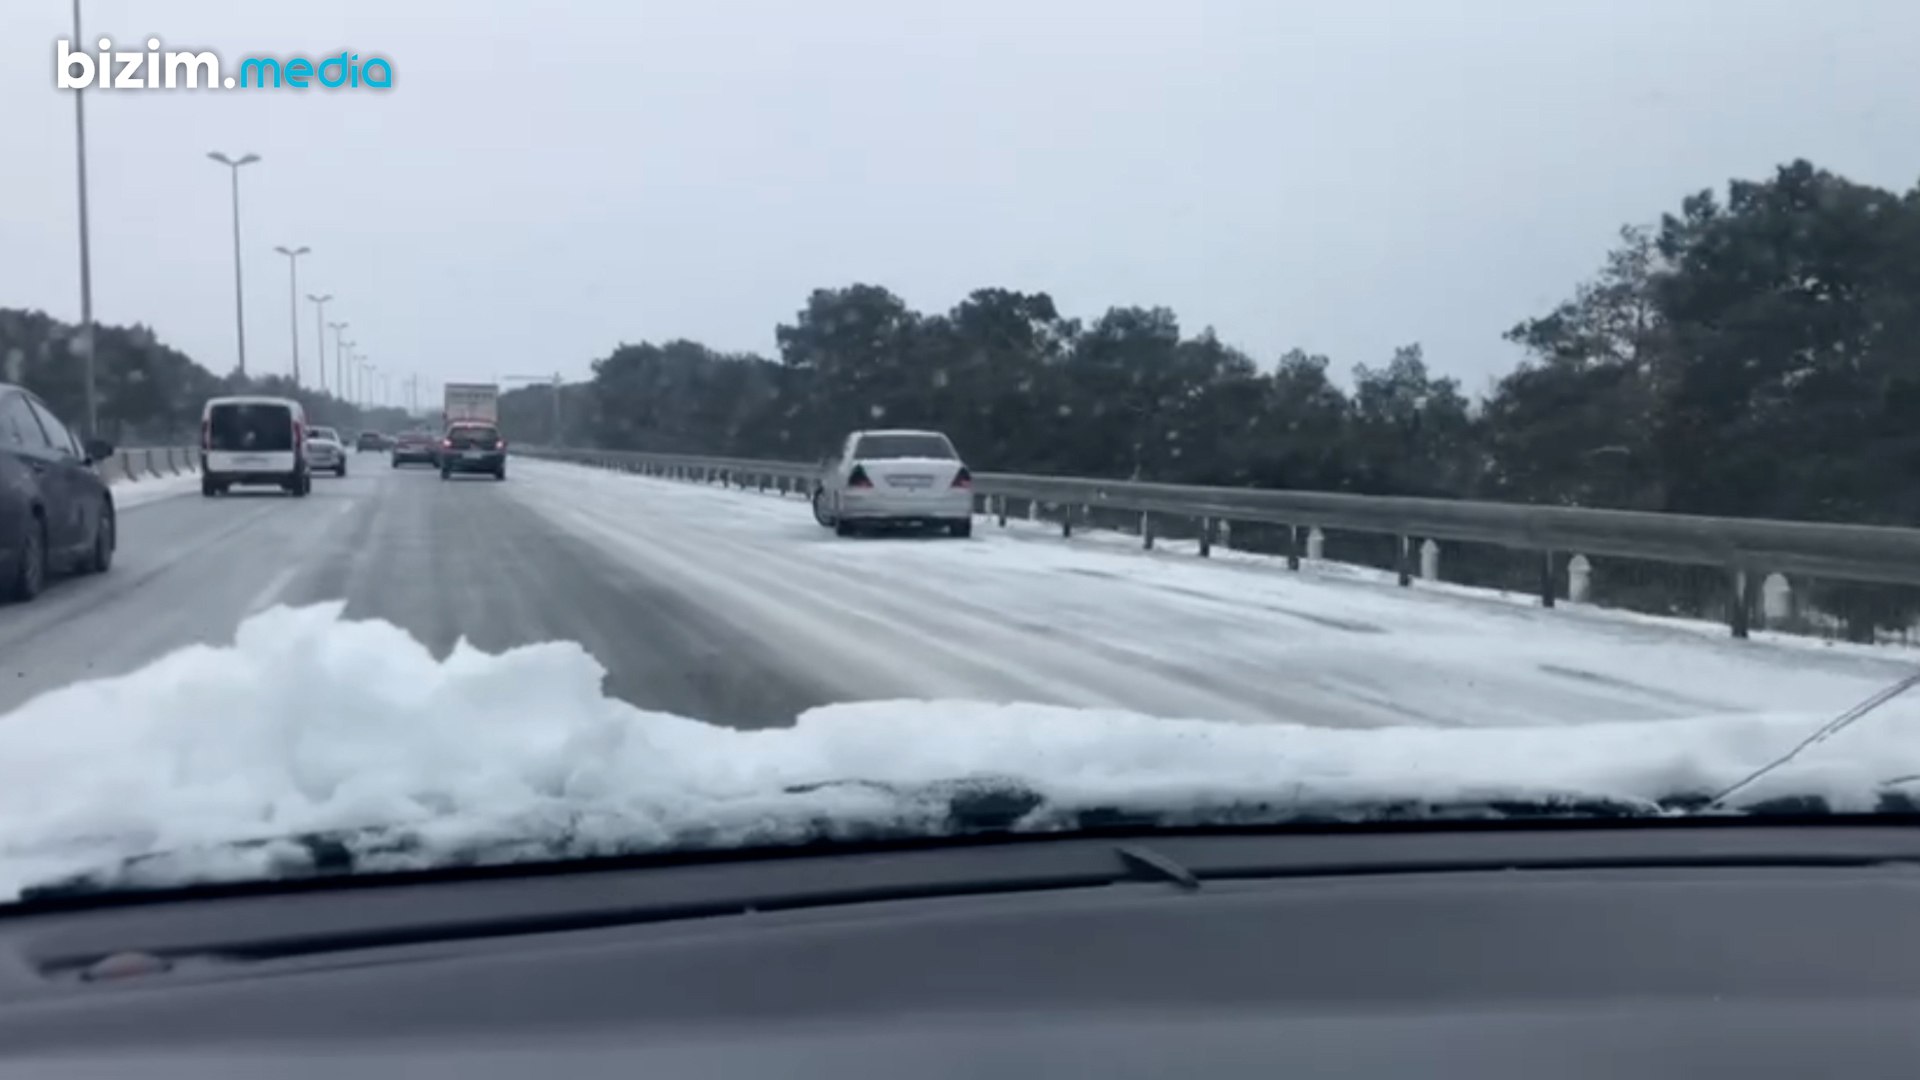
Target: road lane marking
270 595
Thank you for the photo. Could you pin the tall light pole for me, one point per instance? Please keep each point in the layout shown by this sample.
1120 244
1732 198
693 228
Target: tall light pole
239 305
86 245
293 303
366 380
319 336
339 359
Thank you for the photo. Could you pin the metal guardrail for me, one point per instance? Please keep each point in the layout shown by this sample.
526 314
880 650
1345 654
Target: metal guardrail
1746 548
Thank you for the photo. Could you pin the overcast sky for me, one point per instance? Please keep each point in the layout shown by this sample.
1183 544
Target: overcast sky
546 180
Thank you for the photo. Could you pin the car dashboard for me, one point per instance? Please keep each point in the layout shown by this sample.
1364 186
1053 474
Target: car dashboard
1628 950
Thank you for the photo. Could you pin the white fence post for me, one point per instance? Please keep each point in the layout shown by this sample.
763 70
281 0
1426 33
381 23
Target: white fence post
1579 579
1776 598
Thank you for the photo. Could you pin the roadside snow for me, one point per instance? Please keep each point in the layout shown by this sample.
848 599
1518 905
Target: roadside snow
1092 625
131 493
309 722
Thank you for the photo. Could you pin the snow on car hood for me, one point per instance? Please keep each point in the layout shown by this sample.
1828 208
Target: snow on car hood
310 723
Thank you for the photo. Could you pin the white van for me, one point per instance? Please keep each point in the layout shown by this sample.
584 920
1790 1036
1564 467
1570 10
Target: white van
254 440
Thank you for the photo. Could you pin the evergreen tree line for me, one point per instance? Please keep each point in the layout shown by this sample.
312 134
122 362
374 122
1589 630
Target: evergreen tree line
1753 354
148 393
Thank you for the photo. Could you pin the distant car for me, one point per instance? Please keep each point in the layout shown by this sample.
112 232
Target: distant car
473 448
895 478
56 513
370 440
414 448
325 451
254 440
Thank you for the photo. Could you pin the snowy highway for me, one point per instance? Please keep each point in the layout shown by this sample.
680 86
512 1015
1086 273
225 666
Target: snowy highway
735 607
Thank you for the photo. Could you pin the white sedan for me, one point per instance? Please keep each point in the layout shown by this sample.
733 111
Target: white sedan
895 478
325 451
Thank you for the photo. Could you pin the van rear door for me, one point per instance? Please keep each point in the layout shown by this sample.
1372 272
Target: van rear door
251 437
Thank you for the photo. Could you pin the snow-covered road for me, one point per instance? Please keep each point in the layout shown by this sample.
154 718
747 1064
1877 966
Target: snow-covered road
735 607
1024 617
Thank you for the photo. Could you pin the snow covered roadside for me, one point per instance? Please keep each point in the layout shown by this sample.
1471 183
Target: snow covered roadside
1107 541
131 493
310 723
1093 625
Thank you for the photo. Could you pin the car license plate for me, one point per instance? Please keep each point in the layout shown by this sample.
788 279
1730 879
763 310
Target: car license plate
914 482
249 459
472 455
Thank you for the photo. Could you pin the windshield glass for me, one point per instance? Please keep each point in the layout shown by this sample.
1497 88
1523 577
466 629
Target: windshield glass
1228 411
881 447
324 433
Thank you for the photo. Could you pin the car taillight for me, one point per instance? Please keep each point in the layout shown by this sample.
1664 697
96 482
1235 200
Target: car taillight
206 434
858 478
446 444
963 478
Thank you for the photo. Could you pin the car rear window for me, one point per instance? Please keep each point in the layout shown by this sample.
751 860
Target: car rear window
473 436
256 428
323 433
881 447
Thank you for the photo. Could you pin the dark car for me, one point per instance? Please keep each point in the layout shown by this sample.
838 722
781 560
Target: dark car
414 448
473 448
370 440
56 513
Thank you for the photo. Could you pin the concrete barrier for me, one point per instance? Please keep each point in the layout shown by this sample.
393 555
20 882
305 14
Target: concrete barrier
148 462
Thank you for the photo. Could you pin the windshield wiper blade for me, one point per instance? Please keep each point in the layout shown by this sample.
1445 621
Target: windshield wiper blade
966 806
977 807
1822 733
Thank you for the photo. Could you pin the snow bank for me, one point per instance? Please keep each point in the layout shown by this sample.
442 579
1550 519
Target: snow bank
309 722
131 493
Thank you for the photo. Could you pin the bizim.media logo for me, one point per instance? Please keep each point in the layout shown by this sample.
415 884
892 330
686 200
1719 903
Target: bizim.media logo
198 69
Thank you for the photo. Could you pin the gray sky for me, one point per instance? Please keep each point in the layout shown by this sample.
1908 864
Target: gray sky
547 180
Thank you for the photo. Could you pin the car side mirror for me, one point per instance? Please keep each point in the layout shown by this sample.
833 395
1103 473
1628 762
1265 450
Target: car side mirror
98 449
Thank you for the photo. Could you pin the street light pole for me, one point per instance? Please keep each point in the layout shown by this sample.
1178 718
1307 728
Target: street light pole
86 244
293 304
319 336
339 363
239 305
